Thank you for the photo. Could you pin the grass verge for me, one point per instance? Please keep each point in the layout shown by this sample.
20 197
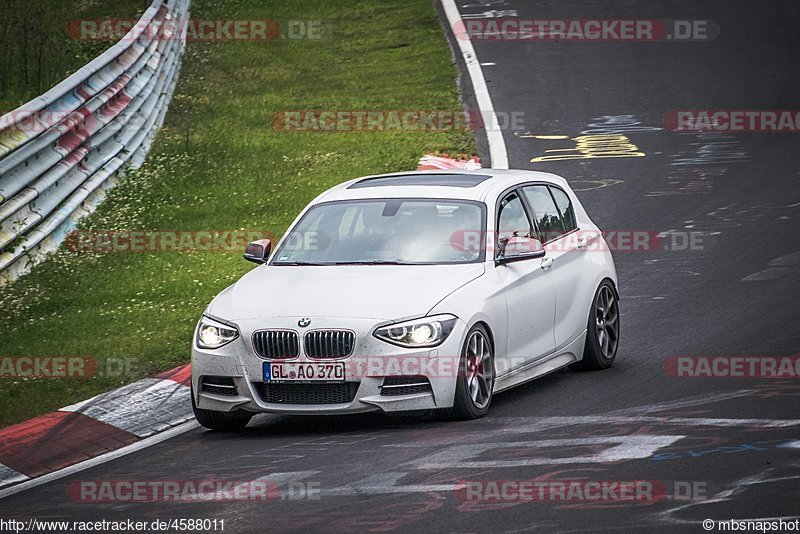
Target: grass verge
39 51
218 164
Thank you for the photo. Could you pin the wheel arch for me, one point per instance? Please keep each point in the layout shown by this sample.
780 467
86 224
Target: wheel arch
489 331
613 285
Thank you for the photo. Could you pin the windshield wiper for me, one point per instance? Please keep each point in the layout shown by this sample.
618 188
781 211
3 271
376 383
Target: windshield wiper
298 263
366 262
372 262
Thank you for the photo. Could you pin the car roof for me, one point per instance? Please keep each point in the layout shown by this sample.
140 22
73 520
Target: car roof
476 184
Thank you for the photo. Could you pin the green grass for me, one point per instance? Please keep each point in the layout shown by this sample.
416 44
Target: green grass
219 164
37 50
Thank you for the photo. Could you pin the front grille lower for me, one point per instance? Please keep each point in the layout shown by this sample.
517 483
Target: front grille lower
338 393
405 385
276 344
218 385
322 344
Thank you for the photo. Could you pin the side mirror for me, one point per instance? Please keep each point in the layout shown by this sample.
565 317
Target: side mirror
521 248
258 251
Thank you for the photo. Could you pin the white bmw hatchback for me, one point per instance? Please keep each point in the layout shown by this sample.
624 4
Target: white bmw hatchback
412 291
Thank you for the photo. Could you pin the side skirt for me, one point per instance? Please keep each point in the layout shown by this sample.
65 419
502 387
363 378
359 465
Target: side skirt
558 360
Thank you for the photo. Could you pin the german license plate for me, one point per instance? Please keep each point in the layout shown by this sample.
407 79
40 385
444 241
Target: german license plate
303 372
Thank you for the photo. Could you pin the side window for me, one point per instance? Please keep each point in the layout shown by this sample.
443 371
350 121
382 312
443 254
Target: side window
565 208
512 219
545 212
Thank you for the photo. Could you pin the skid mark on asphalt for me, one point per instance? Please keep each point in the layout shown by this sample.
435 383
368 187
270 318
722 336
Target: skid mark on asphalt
779 267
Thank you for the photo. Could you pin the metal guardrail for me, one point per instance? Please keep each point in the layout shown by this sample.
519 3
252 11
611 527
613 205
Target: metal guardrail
62 151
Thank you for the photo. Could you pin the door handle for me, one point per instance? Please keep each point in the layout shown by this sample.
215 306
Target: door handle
584 240
546 263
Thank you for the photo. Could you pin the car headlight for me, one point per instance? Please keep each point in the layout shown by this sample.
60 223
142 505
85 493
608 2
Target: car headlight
213 334
418 333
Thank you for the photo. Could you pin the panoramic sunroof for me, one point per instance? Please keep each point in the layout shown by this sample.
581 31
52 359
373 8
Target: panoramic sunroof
446 180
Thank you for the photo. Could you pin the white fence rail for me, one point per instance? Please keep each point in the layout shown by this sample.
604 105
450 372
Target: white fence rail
62 151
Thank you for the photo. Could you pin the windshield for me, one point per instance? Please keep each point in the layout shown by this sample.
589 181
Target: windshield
391 231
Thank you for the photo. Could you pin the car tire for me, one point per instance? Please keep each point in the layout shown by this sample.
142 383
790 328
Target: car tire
221 421
475 380
602 331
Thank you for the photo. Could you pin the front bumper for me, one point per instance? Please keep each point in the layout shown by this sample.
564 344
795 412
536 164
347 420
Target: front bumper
366 369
